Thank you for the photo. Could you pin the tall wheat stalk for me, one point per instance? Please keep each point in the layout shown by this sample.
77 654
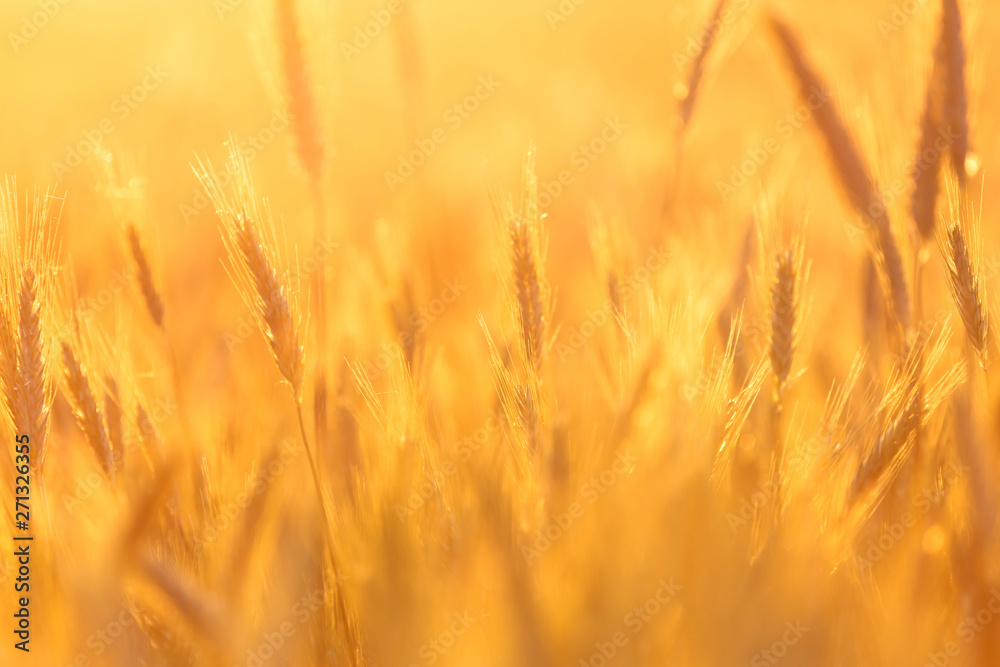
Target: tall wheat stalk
530 301
29 254
955 112
851 170
311 150
961 248
687 95
258 270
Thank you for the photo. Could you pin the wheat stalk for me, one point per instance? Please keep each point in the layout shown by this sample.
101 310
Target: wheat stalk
951 52
784 327
926 176
526 250
530 300
32 390
30 253
251 245
113 421
85 409
150 295
311 151
688 91
852 172
945 109
967 288
301 103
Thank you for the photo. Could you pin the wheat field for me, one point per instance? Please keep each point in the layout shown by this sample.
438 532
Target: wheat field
537 333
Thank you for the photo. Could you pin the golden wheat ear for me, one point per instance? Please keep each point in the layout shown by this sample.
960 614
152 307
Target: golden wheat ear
687 92
850 168
530 292
961 247
529 297
309 143
955 111
780 285
257 267
147 286
945 116
28 285
927 169
85 408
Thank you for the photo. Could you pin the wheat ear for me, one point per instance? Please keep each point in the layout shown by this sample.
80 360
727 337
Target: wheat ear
927 169
945 111
688 91
850 167
301 103
150 295
961 255
784 304
251 245
88 416
113 422
956 96
30 256
34 403
311 151
530 291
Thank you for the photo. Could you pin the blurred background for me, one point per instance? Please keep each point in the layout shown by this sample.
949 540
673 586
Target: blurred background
594 85
562 75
